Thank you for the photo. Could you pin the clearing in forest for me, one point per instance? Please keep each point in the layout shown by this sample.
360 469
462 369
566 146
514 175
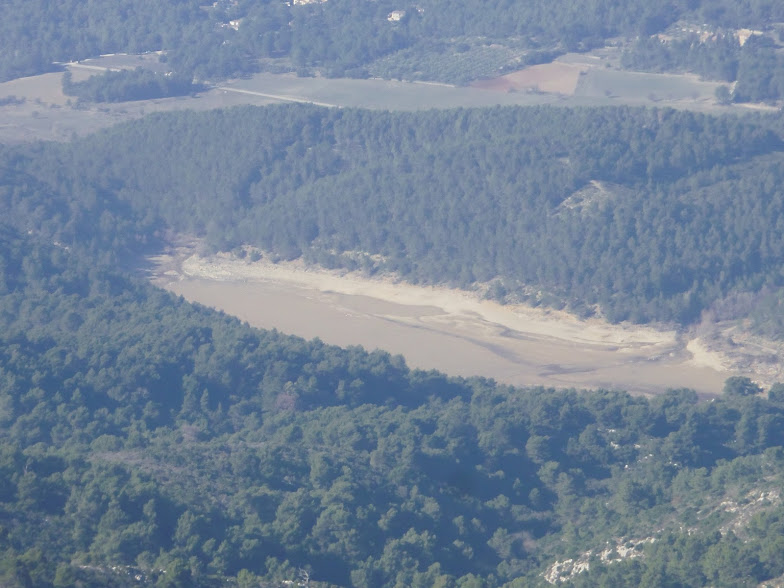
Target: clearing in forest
554 78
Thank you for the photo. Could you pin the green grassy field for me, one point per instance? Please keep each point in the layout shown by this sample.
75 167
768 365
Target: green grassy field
596 88
381 94
634 86
47 114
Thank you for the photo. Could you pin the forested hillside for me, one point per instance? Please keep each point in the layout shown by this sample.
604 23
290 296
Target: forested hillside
653 215
146 441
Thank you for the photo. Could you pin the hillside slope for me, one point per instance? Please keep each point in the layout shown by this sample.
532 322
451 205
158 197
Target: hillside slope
687 215
145 441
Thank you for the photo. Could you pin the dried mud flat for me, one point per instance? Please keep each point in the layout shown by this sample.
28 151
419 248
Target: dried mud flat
440 328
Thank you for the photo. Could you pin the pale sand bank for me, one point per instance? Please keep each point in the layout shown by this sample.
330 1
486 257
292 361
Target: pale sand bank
440 328
702 356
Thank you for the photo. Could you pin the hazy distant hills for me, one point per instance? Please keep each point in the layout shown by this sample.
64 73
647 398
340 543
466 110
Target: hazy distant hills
388 38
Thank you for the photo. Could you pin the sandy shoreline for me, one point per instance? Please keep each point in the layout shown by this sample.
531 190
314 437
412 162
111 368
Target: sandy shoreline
533 321
440 328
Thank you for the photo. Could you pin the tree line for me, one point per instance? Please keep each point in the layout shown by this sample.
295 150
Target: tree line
125 85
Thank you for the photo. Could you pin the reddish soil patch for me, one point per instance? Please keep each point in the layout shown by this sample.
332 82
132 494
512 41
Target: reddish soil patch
556 78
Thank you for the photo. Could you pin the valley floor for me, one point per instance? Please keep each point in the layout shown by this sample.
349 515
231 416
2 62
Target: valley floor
37 109
450 330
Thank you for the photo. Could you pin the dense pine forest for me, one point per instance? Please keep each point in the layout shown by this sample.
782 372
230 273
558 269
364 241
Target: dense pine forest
147 441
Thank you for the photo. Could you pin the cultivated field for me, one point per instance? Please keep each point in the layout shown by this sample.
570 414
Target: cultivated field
588 79
562 84
574 80
556 78
118 61
380 94
646 87
459 62
434 328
